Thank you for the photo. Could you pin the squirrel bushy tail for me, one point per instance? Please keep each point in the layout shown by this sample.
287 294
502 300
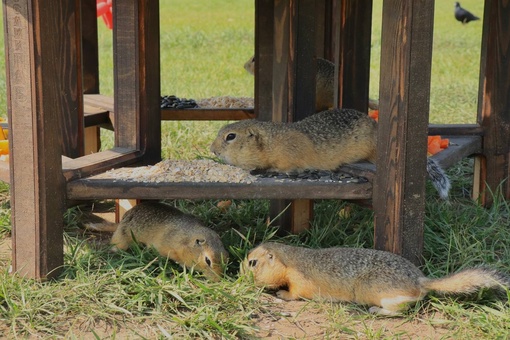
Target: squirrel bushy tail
439 179
467 281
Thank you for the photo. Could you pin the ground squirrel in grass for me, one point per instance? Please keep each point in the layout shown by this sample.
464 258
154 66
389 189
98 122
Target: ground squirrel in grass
322 141
385 281
324 84
181 237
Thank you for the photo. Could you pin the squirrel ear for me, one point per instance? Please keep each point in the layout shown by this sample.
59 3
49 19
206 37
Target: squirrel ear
252 133
199 242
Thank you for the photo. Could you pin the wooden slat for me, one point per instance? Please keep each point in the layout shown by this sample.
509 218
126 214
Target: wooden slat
97 108
353 31
90 46
207 114
399 202
92 188
264 25
137 77
455 130
460 147
494 106
99 162
40 60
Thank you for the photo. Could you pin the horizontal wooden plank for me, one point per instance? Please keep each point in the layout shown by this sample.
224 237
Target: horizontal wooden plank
459 148
97 104
99 101
263 188
455 129
99 162
207 114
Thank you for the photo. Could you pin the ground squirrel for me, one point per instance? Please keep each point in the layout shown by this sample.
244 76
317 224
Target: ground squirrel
324 84
322 141
176 235
383 280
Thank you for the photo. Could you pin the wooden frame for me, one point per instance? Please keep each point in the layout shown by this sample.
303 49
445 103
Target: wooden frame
42 36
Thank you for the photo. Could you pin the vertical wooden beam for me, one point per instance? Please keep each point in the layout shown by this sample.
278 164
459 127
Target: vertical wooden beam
281 29
494 106
41 93
399 186
90 49
353 33
137 77
264 22
90 67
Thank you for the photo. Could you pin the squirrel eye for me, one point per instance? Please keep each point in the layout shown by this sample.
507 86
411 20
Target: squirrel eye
230 136
252 263
208 261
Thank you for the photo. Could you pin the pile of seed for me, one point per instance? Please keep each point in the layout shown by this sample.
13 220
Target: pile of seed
173 102
201 170
226 102
312 175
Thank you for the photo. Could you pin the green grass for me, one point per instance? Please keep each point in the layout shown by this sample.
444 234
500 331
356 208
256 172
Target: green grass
137 294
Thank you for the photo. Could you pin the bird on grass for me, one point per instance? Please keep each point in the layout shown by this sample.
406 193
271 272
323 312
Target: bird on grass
463 15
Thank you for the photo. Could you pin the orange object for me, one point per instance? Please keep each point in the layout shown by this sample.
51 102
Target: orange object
4 147
374 114
435 143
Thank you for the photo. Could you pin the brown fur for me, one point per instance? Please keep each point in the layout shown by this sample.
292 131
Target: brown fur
180 237
385 281
325 141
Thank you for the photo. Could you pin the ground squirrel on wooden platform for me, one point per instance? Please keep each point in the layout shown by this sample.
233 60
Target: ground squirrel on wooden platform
324 84
322 141
181 237
385 281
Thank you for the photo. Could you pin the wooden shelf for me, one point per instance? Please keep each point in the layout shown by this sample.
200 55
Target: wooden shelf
96 187
263 188
98 110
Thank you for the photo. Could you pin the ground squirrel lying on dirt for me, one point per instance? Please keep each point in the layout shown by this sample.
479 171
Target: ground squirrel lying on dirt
180 237
385 281
322 141
324 84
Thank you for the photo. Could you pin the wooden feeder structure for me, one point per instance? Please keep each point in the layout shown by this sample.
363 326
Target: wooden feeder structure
55 111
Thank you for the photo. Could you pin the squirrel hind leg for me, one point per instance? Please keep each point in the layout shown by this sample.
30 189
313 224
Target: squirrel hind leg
395 305
286 295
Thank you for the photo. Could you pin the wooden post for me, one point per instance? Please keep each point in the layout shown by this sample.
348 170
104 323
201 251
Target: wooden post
137 77
293 83
43 102
399 186
90 66
353 36
493 104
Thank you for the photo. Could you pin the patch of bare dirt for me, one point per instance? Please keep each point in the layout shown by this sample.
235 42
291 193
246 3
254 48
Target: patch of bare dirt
311 320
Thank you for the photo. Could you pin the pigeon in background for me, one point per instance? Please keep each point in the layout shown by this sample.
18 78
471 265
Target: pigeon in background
463 15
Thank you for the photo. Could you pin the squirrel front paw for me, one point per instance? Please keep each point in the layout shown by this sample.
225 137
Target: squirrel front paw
285 295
